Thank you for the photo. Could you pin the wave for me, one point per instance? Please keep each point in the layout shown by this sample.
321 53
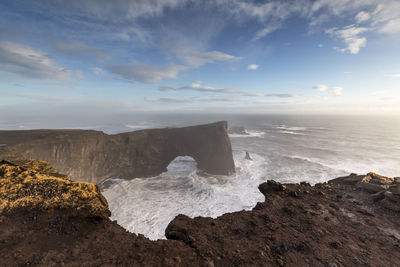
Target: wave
300 128
140 126
147 205
290 128
291 132
259 134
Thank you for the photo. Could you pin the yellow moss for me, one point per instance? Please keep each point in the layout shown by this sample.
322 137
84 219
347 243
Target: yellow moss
35 185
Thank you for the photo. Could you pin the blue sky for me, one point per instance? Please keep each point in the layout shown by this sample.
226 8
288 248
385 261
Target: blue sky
103 57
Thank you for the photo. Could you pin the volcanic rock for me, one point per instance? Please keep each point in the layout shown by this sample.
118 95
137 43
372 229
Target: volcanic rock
36 186
93 156
384 190
61 226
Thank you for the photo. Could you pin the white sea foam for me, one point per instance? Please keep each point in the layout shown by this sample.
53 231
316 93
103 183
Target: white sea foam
147 205
140 126
259 134
291 128
291 132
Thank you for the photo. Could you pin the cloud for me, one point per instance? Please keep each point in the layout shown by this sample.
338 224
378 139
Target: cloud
197 59
320 45
79 49
27 62
175 100
202 88
36 97
253 66
391 27
336 91
113 11
393 75
166 88
98 71
347 72
146 73
362 16
271 14
320 87
350 36
280 95
267 30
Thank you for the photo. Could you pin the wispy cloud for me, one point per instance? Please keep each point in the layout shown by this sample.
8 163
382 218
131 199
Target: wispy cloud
320 87
350 35
362 16
265 31
336 91
98 71
202 88
194 59
146 73
27 62
397 75
234 91
80 49
253 66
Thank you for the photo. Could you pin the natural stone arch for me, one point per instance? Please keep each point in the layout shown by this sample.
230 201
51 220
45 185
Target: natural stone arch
182 164
94 156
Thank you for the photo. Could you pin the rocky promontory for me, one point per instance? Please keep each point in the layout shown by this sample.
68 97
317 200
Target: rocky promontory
92 156
50 220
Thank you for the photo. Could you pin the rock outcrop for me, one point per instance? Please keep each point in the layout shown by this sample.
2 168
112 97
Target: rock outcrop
35 186
93 156
330 224
382 189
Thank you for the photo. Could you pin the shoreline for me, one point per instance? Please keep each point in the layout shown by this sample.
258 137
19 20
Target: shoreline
329 224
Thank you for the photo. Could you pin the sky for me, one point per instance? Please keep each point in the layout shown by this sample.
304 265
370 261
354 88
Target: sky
215 56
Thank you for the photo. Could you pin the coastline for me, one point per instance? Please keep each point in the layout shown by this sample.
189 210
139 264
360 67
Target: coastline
329 224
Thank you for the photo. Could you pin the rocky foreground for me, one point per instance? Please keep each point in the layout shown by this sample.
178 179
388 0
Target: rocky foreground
46 219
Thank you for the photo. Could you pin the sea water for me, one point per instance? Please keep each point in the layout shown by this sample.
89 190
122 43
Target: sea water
288 149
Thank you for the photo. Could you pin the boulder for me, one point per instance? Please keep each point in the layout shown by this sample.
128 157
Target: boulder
372 188
271 186
94 156
352 179
379 179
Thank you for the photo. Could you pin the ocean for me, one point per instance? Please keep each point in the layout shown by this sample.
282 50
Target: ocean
286 148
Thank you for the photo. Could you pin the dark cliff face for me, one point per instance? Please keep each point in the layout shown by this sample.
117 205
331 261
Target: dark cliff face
94 156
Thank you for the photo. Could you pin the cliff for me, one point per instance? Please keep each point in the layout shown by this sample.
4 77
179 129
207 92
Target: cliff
330 224
93 156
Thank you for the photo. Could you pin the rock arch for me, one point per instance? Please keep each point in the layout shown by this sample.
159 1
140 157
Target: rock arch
94 156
